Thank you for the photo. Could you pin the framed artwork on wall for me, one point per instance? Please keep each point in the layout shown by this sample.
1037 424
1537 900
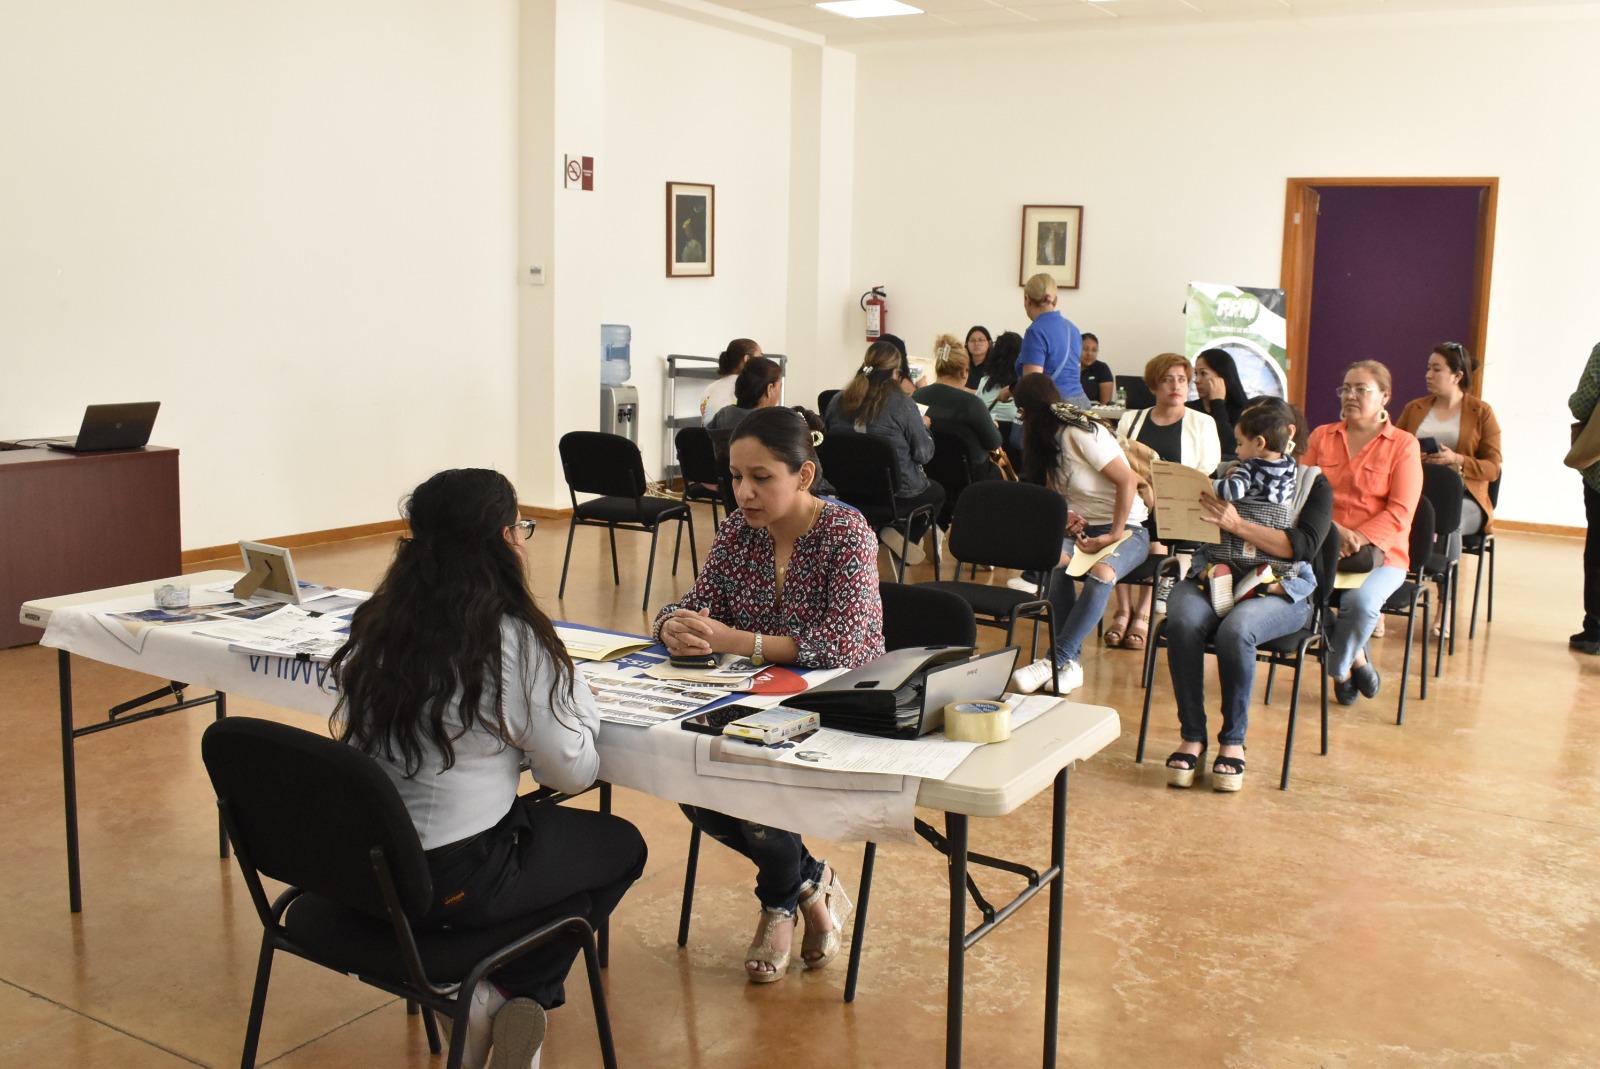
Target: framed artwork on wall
691 230
1052 242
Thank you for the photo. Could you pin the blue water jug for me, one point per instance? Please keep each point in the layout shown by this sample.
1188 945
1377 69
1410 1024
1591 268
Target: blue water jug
616 343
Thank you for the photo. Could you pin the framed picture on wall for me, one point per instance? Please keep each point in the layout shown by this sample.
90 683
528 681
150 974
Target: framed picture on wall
1052 242
691 230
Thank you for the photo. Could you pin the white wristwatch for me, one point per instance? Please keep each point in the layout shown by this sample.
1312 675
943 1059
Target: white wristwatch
755 654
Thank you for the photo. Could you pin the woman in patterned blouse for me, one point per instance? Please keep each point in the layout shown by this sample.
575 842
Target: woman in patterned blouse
791 579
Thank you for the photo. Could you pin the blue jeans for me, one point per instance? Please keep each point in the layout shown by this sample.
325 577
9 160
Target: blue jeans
1076 614
783 864
1358 615
1190 622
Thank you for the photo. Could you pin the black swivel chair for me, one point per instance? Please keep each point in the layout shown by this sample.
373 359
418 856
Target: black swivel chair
912 616
1008 525
702 478
1290 651
610 465
862 470
323 818
1481 545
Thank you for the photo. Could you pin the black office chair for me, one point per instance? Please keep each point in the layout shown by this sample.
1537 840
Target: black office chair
1138 394
1481 545
1412 595
1008 525
703 476
822 401
862 471
912 616
1290 651
1443 488
950 467
325 819
610 465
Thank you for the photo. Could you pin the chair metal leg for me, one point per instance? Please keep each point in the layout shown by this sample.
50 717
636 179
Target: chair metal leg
616 576
258 1003
572 529
677 542
1477 586
429 1026
597 993
1272 671
694 552
1294 713
869 856
1427 605
1490 546
689 870
1144 723
1405 663
650 572
1455 598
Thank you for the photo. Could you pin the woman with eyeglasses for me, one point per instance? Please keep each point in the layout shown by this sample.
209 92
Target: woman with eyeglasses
979 343
1459 431
452 679
1376 473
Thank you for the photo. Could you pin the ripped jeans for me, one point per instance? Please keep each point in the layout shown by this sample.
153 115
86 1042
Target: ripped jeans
783 864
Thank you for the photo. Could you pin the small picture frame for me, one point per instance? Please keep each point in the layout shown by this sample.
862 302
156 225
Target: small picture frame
691 230
268 573
1052 243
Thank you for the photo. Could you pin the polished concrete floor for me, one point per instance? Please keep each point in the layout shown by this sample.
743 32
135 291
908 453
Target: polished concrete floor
1425 895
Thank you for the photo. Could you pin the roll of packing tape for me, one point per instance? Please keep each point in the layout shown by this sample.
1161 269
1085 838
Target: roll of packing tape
977 721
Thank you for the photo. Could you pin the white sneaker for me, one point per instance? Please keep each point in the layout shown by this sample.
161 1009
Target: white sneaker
1032 677
1023 585
1163 588
1069 677
519 1030
896 542
487 1002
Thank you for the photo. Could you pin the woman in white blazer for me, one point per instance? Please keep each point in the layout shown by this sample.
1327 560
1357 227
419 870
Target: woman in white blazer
1176 433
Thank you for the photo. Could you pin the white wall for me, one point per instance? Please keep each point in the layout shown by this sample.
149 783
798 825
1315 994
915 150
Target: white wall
687 102
1178 146
291 223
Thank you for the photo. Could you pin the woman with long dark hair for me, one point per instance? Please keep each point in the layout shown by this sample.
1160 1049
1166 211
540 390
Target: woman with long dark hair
873 402
790 579
994 390
453 678
1221 393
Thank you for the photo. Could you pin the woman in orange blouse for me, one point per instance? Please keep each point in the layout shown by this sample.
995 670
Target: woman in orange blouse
1376 474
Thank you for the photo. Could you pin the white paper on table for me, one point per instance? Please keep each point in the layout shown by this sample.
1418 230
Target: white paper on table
728 758
930 757
1030 707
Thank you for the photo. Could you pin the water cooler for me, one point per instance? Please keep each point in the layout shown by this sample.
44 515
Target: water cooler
619 403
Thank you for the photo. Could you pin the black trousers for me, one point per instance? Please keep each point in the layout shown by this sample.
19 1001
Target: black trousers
539 854
1591 563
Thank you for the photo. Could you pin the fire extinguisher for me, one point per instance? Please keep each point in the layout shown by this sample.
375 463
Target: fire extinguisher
875 302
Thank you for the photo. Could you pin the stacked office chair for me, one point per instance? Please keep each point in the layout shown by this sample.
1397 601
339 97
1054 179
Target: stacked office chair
610 465
325 819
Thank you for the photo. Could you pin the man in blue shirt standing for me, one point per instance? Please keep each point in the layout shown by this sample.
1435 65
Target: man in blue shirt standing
1053 343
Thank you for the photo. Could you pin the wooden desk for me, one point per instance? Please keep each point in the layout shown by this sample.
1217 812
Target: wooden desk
71 523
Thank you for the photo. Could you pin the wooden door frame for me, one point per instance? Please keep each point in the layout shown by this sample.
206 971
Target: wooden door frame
1299 251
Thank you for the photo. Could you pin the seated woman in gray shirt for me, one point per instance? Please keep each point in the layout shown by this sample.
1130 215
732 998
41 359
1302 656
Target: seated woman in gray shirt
872 403
954 410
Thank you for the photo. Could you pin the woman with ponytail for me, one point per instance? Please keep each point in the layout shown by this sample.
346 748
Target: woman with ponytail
729 363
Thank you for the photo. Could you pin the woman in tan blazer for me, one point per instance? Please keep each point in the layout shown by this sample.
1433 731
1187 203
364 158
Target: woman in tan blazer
1467 433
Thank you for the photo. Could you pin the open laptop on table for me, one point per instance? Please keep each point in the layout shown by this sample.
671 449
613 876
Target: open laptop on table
918 703
106 427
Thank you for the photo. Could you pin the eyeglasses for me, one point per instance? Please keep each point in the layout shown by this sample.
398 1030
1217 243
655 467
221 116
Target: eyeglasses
526 527
1360 389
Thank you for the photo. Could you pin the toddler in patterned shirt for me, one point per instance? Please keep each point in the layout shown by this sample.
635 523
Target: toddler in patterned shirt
1262 489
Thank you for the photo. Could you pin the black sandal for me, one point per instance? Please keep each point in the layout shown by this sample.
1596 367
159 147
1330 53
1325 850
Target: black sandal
1227 773
1182 774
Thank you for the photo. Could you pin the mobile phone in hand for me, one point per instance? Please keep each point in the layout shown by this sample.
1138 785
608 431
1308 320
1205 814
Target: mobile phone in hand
1429 445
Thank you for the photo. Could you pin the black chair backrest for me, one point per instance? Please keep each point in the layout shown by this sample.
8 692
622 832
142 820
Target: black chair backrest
822 401
1327 566
697 459
860 468
594 462
1139 395
1422 530
1009 525
923 616
309 811
950 465
1443 489
1494 489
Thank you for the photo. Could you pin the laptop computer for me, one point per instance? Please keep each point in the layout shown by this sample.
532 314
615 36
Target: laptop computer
125 426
